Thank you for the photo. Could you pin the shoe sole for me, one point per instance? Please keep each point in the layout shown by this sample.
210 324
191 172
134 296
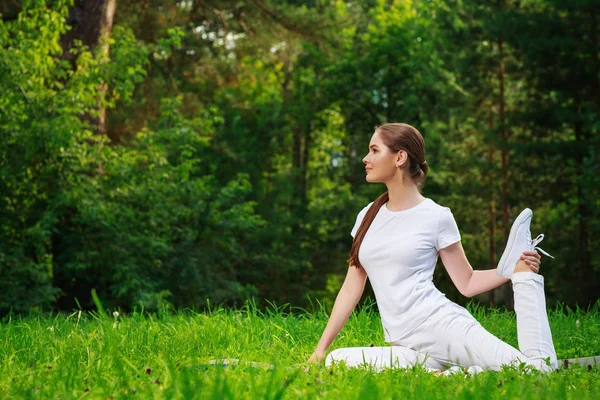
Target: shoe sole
511 238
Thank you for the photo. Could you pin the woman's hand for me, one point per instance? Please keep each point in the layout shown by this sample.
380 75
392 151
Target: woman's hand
316 357
532 259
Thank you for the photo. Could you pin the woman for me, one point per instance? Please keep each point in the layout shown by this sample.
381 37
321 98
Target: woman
397 240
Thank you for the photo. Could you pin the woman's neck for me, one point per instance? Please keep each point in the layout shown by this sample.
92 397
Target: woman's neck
403 196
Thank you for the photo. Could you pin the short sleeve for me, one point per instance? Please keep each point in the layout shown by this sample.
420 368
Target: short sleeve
359 219
447 230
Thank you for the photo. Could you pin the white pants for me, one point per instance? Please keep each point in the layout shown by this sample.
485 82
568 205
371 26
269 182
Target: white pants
451 337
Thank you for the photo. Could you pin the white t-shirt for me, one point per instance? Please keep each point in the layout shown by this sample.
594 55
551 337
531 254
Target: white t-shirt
399 253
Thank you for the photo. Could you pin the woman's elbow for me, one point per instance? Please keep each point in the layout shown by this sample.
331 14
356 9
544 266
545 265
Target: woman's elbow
467 292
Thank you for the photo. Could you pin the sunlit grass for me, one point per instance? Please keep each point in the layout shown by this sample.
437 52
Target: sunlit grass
165 355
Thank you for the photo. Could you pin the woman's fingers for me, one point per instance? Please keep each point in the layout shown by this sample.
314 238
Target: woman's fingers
532 254
534 269
532 259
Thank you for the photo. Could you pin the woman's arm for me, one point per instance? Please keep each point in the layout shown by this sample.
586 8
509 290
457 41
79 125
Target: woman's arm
346 300
470 283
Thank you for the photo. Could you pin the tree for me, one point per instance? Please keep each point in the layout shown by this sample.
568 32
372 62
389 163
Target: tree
90 24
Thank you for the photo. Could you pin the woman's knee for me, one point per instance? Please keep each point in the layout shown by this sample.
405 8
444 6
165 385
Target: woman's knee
354 356
343 354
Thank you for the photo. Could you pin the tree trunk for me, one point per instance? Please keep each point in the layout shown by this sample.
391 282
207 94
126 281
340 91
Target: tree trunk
508 294
91 23
585 212
492 199
585 271
304 170
300 142
492 226
595 60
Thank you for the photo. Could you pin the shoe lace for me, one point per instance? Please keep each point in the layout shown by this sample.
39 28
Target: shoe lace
535 242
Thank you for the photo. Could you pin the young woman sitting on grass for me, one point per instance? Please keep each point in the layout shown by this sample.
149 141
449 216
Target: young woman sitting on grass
397 239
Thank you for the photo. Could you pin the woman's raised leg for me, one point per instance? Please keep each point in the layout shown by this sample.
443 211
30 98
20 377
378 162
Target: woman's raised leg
533 328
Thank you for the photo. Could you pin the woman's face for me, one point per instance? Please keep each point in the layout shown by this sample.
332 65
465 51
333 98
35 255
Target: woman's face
380 162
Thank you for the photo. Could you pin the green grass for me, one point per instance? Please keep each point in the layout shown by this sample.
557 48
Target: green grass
94 355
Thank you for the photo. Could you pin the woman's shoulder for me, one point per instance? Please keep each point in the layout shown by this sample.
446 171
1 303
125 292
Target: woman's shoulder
438 211
443 215
437 206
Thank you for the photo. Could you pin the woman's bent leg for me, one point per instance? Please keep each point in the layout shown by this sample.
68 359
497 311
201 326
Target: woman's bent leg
533 329
454 338
381 357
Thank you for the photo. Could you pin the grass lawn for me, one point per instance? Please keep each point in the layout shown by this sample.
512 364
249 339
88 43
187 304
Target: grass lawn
100 356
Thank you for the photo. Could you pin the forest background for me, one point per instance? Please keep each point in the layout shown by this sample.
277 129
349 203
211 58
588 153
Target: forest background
190 153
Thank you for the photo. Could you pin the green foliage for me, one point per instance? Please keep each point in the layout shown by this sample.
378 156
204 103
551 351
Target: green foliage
232 164
151 227
143 224
39 129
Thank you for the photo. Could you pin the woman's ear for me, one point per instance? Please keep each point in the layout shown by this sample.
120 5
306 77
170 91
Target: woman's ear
401 158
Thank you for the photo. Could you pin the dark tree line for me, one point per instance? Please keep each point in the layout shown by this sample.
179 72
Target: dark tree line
166 153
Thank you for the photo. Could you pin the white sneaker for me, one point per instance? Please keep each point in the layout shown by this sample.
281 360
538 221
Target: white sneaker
519 240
